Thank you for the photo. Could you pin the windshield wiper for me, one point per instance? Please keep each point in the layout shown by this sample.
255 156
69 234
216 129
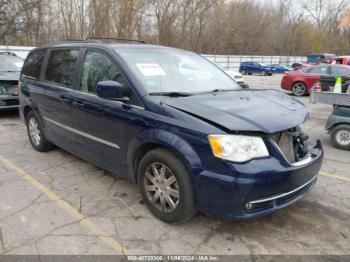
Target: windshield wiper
172 94
219 90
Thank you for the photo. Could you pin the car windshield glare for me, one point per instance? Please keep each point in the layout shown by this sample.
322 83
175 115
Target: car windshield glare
171 70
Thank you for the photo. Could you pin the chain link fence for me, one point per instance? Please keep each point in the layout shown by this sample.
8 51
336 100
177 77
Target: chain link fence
233 62
226 61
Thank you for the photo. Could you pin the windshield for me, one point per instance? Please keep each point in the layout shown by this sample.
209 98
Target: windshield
312 59
170 70
10 63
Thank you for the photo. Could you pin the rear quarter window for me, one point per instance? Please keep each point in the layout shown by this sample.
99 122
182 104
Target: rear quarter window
61 66
32 66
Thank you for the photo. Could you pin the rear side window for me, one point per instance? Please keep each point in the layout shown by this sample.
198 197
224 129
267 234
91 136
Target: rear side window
32 66
322 70
61 67
337 70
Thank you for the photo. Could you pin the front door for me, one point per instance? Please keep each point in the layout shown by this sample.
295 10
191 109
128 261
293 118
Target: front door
100 123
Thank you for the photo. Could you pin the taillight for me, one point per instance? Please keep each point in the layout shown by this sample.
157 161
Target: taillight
18 89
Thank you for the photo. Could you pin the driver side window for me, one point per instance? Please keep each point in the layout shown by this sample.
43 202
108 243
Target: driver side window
98 67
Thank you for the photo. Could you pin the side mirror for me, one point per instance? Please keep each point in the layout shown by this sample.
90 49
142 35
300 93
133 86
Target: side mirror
110 90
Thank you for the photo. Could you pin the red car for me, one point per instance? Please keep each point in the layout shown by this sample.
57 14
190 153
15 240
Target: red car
300 81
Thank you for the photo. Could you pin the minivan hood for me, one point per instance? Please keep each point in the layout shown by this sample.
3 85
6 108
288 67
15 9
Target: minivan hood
267 111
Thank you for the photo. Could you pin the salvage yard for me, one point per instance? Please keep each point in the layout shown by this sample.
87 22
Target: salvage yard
56 203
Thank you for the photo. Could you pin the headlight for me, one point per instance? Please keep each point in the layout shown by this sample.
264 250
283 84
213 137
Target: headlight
237 148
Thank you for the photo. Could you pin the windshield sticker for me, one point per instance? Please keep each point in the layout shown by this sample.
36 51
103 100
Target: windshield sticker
19 64
151 69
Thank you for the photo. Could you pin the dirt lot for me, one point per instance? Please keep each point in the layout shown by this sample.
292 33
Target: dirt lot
55 203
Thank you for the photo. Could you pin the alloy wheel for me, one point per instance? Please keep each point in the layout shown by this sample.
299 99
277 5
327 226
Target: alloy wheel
299 89
34 131
161 187
343 137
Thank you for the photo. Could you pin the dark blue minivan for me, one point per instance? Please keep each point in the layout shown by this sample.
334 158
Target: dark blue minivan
172 122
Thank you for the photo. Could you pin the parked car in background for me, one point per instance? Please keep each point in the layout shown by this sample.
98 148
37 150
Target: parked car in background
339 60
280 68
238 77
193 142
342 60
323 61
249 68
10 68
314 58
299 82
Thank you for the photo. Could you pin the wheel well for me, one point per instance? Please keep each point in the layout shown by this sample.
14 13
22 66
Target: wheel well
26 111
299 82
339 124
144 149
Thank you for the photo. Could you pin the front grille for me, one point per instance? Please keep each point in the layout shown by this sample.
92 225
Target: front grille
285 142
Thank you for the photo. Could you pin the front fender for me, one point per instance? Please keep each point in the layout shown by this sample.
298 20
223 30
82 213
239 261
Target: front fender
166 139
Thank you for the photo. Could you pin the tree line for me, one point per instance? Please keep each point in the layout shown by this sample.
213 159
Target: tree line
241 27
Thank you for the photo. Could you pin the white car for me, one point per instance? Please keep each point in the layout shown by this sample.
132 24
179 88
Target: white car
238 77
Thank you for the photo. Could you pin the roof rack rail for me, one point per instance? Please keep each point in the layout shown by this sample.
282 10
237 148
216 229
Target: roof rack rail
113 39
81 40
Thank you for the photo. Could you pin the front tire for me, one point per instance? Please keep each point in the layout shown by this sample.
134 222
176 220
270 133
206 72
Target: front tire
299 89
36 134
166 186
340 137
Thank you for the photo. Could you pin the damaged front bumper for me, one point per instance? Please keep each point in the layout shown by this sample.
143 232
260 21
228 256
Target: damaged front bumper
259 187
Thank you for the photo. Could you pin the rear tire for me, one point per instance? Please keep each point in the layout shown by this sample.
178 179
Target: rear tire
36 134
340 136
166 186
299 89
